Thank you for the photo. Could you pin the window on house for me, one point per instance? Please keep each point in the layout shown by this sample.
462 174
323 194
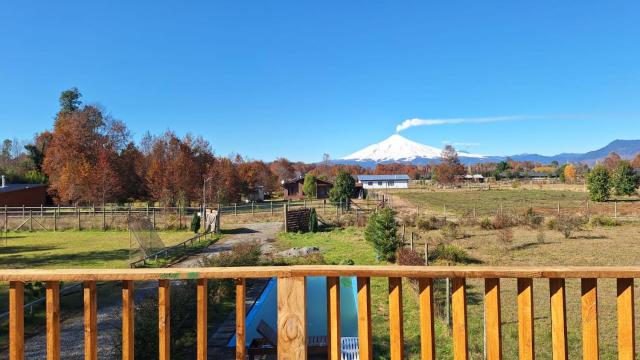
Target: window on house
370 183
379 183
390 183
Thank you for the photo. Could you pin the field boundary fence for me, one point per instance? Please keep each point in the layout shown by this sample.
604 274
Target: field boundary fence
60 218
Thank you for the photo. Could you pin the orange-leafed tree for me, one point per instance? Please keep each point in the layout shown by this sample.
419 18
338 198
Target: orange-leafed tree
611 161
570 173
449 169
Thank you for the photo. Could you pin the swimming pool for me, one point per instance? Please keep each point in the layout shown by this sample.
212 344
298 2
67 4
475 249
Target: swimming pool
266 307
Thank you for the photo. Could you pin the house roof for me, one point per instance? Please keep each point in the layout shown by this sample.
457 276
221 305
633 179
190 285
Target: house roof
300 179
17 187
383 177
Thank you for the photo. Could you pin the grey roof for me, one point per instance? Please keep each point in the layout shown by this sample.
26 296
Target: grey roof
382 177
16 187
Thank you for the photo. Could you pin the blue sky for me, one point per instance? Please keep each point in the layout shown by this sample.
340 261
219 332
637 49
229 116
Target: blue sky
301 78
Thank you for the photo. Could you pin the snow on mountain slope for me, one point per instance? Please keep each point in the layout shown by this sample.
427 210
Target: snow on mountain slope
399 148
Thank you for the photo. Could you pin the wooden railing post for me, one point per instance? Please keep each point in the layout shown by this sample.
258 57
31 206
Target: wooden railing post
493 319
128 320
164 319
241 340
16 320
525 319
558 319
292 324
90 320
626 328
459 319
427 333
396 326
589 300
53 319
202 313
364 319
333 338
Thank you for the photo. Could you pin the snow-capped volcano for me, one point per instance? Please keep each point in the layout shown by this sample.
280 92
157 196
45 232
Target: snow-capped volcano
401 149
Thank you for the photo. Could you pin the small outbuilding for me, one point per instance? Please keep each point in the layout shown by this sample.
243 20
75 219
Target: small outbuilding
293 188
29 195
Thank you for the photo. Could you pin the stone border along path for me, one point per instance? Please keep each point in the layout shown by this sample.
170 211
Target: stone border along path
109 321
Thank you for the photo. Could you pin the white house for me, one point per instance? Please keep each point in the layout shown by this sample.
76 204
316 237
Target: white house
384 181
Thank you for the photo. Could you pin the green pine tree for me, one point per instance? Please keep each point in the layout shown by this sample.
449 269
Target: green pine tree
310 186
343 187
624 179
313 220
195 223
381 232
599 184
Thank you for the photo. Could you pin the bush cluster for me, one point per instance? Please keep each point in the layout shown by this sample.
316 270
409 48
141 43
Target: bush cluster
566 224
449 253
603 220
409 257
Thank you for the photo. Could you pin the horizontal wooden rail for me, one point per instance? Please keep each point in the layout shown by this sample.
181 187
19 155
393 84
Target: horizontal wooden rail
434 272
291 329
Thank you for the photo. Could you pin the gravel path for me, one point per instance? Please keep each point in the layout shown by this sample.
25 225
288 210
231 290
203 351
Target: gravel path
72 328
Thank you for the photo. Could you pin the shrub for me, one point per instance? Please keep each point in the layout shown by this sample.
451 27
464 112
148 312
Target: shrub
486 224
502 221
505 236
515 184
313 220
567 224
450 231
410 219
602 220
381 232
533 219
409 257
195 223
432 223
540 235
449 253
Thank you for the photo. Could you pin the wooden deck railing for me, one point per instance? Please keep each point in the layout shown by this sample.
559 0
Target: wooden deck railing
291 307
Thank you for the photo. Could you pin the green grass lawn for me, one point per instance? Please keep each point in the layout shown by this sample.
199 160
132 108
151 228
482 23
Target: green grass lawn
72 249
340 245
488 202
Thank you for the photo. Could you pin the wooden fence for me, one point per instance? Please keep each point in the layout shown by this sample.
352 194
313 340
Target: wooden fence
291 299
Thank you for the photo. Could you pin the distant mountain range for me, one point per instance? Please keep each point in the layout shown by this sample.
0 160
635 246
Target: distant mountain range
398 149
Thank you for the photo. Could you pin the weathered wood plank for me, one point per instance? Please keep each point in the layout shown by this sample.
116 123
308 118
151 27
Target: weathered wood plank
557 294
333 289
52 290
626 328
427 333
396 322
16 320
241 292
128 320
589 301
364 318
90 298
493 318
292 329
459 318
525 319
164 319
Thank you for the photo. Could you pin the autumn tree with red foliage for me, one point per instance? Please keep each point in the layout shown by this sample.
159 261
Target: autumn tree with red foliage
449 168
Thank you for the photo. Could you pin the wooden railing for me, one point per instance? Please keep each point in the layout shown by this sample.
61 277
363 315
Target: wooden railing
291 282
